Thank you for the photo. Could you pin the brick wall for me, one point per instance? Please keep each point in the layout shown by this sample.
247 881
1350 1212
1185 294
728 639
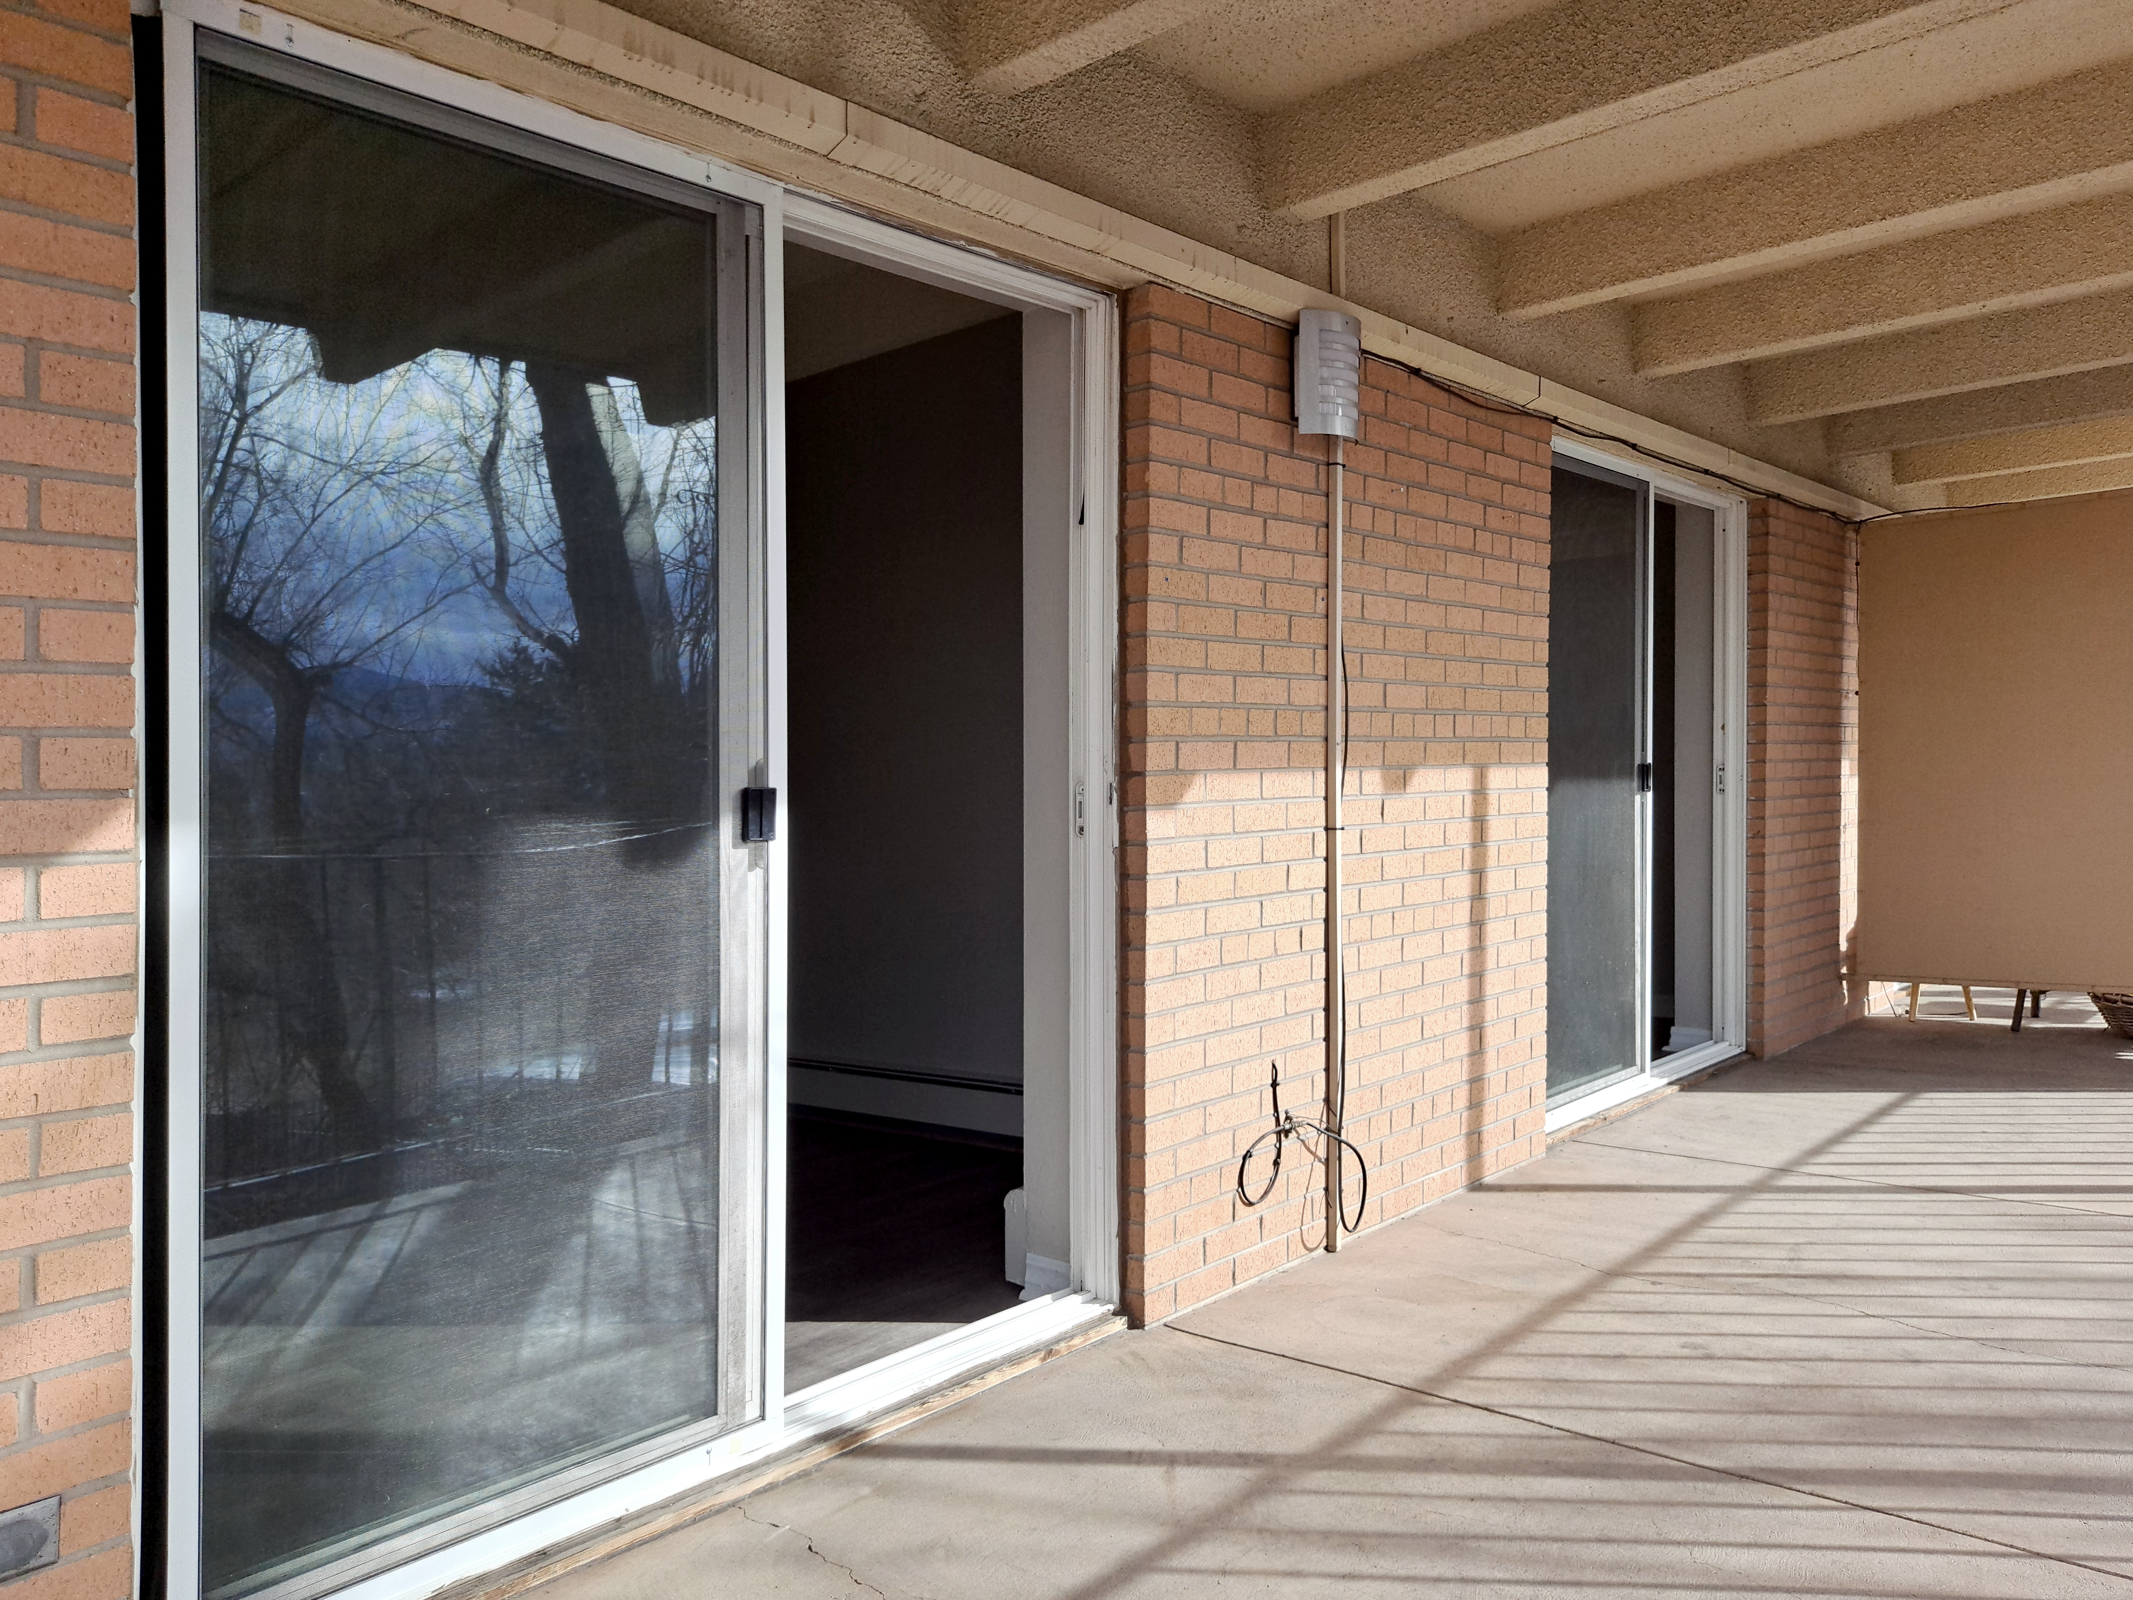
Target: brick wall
1803 773
1224 641
67 831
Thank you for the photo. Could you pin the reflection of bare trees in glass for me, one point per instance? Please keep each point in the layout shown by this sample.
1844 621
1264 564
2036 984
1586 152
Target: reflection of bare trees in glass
298 539
461 618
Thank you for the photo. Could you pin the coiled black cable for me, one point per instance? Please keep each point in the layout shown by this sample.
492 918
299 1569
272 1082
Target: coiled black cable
1287 1126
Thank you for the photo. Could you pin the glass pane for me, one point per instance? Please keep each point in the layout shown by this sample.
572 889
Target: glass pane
459 509
1595 686
1684 756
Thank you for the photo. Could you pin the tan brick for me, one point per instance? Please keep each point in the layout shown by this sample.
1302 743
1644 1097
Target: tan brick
93 1268
106 1575
106 16
98 636
60 183
57 250
78 1458
101 510
85 383
95 1518
14 1160
84 1144
70 444
61 1338
67 699
42 1216
14 1025
74 1018
14 488
12 633
67 53
64 572
66 955
64 763
102 890
88 1396
38 1088
100 130
14 366
66 316
65 827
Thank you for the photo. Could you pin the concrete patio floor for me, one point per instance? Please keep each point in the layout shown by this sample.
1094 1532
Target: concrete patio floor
1851 1322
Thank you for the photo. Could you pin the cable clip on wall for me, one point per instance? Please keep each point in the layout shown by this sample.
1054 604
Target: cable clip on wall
1288 1125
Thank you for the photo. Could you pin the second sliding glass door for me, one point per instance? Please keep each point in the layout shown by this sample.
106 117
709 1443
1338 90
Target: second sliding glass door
1598 770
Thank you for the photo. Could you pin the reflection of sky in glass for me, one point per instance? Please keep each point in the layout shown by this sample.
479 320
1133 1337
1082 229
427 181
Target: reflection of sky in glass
363 525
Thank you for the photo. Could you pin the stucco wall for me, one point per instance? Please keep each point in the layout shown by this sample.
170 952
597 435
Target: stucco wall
67 827
1224 639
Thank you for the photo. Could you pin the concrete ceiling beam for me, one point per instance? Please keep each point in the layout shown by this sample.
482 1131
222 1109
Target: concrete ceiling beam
2097 477
1558 75
2003 266
2061 143
2071 445
2015 346
1982 413
1009 46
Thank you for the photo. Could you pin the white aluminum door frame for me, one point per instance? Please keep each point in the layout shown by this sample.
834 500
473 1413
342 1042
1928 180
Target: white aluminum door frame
1089 810
514 1523
1729 831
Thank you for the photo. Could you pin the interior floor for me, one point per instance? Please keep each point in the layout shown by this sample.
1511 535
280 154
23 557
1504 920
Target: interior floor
894 1235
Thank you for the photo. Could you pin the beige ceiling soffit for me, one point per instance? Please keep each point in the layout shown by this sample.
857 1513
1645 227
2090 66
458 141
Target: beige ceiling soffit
2075 397
2066 141
2012 347
2072 445
1558 75
2098 477
1009 46
586 55
2004 266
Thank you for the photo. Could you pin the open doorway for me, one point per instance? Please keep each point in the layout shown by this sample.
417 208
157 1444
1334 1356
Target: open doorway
926 591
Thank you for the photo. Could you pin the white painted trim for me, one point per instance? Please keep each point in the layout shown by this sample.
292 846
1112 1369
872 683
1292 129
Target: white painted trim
185 951
289 34
850 1398
1092 625
1620 1092
1729 831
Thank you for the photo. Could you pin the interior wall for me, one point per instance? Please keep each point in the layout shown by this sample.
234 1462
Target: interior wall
904 586
1996 775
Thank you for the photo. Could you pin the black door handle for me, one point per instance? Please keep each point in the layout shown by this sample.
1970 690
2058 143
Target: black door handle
759 816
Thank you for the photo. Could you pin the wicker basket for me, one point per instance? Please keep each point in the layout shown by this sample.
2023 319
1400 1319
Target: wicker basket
2117 1010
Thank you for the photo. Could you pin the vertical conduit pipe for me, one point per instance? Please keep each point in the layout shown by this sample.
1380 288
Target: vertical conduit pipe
1336 712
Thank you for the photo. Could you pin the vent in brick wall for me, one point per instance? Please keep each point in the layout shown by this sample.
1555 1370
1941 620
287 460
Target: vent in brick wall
29 1537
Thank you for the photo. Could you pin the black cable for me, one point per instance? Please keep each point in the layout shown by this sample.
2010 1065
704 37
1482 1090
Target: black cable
1287 1126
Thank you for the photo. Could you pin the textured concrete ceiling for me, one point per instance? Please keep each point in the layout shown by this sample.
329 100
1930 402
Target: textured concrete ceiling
1828 233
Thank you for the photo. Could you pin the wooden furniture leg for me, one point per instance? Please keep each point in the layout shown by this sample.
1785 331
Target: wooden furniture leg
1914 1000
1969 1005
2020 996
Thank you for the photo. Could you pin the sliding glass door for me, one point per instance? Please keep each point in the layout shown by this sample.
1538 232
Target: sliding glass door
479 1063
1598 772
